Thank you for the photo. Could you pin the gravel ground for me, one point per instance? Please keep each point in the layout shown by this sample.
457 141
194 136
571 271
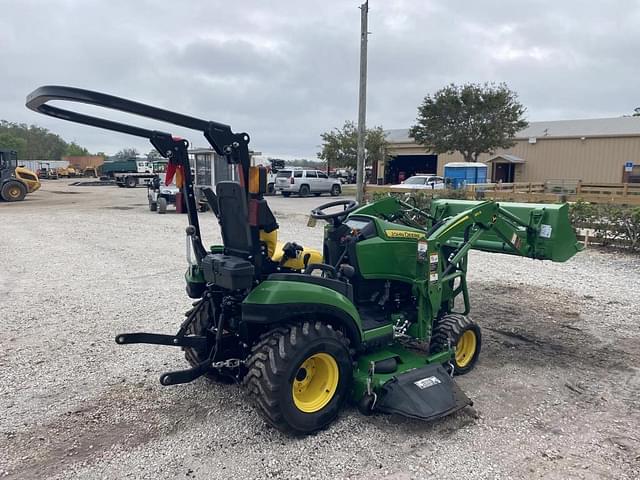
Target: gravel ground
556 392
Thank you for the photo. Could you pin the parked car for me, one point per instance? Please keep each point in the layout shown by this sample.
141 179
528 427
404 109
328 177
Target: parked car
305 182
418 182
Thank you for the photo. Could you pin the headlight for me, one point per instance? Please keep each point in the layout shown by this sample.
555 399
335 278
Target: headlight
166 192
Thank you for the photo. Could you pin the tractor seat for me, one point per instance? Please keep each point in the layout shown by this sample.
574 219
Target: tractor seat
288 255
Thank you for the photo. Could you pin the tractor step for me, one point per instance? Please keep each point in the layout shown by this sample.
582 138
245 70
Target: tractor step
425 393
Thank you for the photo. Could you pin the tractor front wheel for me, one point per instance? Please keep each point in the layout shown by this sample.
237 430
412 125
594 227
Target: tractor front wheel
464 335
299 376
13 191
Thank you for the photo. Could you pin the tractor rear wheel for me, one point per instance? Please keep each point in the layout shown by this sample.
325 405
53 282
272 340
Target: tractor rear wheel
201 323
458 331
299 376
13 191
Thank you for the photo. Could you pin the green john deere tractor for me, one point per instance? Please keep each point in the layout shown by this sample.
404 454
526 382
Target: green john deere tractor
379 317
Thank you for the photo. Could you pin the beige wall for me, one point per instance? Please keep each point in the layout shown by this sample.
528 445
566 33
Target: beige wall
594 159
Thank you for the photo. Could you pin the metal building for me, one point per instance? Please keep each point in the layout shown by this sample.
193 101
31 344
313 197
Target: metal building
593 150
209 168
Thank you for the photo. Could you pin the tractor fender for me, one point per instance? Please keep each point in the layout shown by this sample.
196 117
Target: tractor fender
276 301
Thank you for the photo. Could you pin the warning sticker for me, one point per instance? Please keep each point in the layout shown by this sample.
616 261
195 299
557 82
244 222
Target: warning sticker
433 258
427 382
433 277
422 250
515 239
545 231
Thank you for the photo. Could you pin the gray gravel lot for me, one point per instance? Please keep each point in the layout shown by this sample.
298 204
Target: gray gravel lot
556 392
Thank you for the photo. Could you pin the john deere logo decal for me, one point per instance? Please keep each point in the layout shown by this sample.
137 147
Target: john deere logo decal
403 234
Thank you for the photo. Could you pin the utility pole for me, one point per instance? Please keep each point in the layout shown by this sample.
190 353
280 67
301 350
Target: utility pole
362 102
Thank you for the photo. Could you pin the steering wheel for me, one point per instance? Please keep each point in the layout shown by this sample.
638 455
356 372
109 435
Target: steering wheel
337 217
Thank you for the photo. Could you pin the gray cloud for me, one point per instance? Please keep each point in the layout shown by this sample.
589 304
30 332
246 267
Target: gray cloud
286 71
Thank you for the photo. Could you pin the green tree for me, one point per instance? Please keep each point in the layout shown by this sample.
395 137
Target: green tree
126 154
470 119
75 150
34 143
306 163
153 155
340 146
9 141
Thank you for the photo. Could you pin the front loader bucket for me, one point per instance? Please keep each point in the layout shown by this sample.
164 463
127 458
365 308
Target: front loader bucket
545 228
425 393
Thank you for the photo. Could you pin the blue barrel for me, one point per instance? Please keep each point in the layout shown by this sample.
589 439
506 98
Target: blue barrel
458 174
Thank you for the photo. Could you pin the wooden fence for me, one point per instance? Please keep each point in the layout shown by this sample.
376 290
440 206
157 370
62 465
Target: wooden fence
544 192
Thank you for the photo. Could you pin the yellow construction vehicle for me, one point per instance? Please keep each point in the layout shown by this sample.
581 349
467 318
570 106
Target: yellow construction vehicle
68 172
15 181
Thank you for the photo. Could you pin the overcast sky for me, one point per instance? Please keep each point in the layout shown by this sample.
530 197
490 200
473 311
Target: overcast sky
285 71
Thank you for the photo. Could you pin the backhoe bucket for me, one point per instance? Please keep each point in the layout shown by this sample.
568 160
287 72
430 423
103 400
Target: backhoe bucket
425 393
544 228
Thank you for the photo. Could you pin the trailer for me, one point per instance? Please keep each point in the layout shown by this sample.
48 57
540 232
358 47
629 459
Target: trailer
132 180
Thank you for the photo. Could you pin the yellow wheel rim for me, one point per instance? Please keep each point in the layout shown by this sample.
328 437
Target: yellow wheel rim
315 382
466 348
14 192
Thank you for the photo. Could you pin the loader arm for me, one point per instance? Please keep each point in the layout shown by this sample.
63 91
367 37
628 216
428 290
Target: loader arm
540 231
465 230
487 226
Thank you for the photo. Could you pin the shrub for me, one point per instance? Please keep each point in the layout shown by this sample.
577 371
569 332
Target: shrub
611 224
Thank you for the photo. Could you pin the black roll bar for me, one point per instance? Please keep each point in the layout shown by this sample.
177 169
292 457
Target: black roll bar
233 146
219 135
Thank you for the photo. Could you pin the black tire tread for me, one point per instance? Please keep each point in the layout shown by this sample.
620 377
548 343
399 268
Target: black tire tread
4 193
268 360
304 191
199 326
446 332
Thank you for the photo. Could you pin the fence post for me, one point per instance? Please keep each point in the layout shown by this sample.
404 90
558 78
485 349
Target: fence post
625 189
578 187
529 187
514 187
